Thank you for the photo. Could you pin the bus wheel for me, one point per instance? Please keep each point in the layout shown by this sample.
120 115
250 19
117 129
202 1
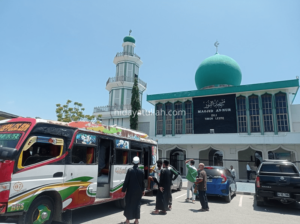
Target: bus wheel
121 203
3 218
40 212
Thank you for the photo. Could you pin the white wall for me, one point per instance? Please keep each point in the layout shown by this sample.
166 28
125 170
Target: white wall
295 109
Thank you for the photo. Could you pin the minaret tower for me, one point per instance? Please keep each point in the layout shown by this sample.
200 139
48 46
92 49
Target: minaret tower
120 86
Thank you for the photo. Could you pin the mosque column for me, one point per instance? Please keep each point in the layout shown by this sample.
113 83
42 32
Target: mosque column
248 116
183 118
261 120
274 115
173 120
164 119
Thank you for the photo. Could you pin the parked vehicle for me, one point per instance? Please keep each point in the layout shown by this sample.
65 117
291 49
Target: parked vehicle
220 182
277 180
49 168
177 183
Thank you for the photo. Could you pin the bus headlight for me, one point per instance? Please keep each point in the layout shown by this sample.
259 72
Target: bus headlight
4 187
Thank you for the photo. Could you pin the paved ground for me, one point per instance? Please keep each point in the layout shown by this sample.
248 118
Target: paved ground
240 210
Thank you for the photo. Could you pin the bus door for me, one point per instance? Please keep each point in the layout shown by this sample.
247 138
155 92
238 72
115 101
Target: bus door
121 163
81 173
105 158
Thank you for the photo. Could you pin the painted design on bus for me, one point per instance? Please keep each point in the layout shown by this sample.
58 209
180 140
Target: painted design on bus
122 144
105 129
153 154
68 191
83 138
14 127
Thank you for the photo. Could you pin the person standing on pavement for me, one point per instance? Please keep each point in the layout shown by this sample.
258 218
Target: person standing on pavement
134 189
191 177
163 194
232 171
174 175
248 171
156 176
201 183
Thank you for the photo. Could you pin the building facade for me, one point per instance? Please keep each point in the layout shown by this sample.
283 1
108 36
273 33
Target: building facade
221 123
224 123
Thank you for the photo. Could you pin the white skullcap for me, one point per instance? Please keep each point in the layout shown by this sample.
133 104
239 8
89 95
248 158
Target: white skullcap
136 160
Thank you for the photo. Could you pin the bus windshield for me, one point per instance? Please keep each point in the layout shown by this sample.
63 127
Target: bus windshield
9 139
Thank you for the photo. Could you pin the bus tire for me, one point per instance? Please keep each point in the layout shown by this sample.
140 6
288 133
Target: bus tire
3 218
42 208
121 203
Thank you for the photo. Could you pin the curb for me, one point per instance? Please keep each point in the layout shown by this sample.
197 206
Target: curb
245 193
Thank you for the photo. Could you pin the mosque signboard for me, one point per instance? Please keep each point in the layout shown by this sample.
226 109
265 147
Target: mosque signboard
215 114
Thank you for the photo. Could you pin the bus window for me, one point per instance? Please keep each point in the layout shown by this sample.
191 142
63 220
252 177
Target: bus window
122 157
39 149
83 155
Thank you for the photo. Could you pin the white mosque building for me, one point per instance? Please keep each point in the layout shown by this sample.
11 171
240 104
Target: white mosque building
220 123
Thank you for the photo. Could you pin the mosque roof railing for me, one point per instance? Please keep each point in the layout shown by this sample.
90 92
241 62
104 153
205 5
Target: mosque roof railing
226 90
120 54
125 79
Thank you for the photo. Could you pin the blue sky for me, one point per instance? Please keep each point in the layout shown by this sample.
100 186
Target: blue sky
52 51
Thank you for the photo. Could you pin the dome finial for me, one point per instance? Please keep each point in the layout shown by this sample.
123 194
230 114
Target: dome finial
216 45
130 32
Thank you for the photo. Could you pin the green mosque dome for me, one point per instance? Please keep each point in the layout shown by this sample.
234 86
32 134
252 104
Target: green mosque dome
218 70
129 39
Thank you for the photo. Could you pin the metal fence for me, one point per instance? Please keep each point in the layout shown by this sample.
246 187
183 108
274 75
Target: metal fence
128 54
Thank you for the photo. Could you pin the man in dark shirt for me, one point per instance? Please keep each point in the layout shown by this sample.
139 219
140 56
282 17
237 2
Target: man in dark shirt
201 183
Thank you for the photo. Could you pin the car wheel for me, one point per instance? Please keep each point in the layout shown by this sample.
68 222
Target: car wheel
41 211
180 186
228 198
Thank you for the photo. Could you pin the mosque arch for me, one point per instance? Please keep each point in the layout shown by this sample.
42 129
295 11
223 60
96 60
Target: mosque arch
251 156
177 157
211 156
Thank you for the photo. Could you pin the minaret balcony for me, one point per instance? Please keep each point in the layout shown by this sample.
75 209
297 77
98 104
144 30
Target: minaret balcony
111 108
124 81
120 54
128 56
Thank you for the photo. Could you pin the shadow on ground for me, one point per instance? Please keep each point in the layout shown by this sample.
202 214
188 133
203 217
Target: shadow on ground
273 206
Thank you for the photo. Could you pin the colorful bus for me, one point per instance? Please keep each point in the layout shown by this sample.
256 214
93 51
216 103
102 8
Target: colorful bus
49 168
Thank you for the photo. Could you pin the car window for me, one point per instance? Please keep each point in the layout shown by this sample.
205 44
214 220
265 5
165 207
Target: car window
228 173
213 172
275 168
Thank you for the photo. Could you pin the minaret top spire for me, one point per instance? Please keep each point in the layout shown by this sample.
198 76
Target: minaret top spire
216 45
130 32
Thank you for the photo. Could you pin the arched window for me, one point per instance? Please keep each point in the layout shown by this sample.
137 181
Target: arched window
254 113
159 119
169 118
241 113
178 117
267 112
188 118
281 112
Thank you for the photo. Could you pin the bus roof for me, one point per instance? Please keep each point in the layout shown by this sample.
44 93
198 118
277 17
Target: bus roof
113 130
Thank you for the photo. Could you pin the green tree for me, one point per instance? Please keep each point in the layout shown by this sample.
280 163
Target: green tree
135 105
66 113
